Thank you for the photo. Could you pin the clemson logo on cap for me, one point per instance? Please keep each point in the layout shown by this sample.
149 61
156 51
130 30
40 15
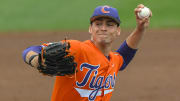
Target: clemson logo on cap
105 11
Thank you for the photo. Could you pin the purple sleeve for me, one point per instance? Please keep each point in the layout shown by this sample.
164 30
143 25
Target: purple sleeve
127 53
36 49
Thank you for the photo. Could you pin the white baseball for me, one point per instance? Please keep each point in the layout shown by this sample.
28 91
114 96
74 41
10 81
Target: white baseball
145 12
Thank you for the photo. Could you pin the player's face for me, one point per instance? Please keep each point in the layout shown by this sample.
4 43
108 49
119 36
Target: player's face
104 30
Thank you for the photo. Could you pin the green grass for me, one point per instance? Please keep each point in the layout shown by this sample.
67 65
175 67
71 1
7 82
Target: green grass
47 15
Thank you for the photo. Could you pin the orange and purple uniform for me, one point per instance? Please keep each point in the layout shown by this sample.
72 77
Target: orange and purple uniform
95 79
96 73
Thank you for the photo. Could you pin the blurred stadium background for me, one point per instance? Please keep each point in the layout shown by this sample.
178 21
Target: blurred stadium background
28 15
151 76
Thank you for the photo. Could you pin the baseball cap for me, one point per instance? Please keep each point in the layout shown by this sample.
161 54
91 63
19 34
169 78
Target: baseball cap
105 11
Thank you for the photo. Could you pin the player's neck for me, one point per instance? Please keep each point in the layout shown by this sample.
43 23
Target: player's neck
104 48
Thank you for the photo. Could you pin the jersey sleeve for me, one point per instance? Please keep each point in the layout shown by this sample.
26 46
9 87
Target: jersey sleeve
75 49
127 53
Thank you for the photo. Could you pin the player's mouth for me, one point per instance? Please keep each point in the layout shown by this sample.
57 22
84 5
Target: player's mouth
104 34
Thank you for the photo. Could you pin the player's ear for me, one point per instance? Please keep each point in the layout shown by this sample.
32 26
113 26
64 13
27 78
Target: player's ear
118 31
90 29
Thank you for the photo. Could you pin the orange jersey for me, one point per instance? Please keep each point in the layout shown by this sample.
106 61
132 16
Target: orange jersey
95 76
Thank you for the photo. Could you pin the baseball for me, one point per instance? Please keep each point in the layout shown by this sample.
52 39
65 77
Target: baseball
145 12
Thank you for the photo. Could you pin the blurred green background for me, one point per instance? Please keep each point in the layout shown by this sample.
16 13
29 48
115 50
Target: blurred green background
51 15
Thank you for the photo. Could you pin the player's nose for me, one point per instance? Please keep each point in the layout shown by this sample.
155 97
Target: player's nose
103 27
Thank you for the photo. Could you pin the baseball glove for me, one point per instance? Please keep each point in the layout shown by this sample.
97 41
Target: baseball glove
55 60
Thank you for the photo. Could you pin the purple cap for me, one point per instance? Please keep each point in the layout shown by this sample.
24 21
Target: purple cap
105 11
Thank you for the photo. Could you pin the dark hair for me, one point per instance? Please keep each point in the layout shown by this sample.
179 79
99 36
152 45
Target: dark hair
94 20
91 21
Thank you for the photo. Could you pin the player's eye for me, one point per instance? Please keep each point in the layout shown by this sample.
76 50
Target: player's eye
110 24
98 23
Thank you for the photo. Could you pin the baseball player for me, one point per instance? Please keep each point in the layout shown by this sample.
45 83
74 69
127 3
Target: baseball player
93 65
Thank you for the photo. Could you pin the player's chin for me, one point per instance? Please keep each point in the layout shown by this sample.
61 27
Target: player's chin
105 41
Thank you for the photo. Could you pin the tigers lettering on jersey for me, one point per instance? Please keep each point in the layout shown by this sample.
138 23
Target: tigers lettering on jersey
96 85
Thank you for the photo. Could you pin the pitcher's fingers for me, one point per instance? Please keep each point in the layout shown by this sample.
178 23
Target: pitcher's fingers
136 11
150 14
140 6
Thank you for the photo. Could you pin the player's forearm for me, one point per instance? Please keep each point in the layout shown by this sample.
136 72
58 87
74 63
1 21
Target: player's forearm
142 23
134 38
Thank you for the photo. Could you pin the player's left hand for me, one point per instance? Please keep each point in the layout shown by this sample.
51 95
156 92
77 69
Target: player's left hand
55 60
144 22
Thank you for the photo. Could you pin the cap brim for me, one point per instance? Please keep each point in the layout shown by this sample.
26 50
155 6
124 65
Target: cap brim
104 16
